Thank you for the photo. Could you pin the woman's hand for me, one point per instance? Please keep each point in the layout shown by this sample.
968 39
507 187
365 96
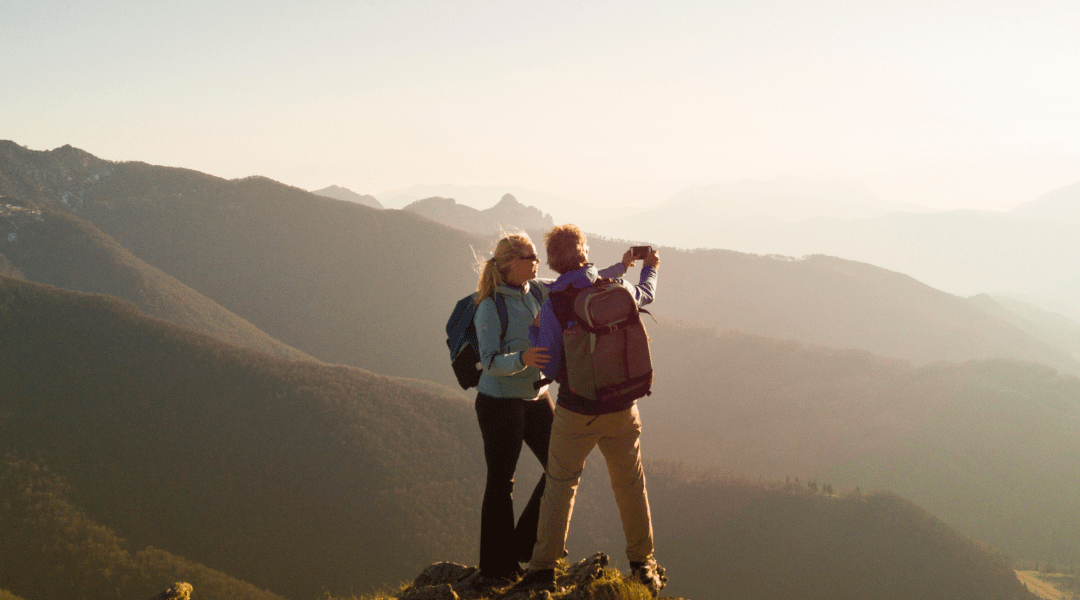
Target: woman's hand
535 357
628 259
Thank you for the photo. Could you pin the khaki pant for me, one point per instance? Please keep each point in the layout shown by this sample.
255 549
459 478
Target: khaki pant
573 436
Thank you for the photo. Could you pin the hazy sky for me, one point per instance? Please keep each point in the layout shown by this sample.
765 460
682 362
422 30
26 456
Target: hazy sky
942 103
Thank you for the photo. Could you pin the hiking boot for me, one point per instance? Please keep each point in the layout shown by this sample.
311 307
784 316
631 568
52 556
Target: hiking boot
538 580
649 574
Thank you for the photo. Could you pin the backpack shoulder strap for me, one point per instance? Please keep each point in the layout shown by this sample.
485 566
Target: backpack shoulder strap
537 293
562 303
504 318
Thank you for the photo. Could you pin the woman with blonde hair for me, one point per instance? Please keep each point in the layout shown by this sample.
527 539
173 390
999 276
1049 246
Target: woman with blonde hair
510 409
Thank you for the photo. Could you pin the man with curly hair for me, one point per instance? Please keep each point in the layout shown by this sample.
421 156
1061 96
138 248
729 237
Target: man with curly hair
580 425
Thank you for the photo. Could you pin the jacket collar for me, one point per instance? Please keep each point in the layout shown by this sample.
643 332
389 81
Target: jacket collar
512 291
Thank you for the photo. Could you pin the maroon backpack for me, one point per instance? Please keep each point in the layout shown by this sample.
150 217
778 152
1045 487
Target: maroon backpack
605 347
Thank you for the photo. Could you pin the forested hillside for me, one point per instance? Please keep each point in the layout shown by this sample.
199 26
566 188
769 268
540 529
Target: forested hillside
984 445
51 549
746 539
231 457
996 459
301 477
61 249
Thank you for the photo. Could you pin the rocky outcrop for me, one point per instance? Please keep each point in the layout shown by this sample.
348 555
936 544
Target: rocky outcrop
511 213
588 578
178 591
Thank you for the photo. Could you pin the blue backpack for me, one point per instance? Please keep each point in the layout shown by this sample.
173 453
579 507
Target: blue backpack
461 336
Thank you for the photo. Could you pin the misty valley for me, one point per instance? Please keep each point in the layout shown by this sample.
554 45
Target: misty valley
243 385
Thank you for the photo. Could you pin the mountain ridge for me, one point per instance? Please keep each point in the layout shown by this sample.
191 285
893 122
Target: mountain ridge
789 199
1060 204
291 262
506 215
964 252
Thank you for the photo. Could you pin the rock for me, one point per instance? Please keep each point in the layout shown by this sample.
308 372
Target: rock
443 572
432 592
586 570
466 587
178 591
442 581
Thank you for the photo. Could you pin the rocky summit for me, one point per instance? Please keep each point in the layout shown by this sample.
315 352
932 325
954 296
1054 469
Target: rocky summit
589 578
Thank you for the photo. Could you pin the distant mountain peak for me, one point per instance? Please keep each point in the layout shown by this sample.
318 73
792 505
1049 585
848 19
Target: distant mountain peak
508 213
334 188
71 153
508 199
340 193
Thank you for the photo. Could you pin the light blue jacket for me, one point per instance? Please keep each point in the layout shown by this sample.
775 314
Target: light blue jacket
504 375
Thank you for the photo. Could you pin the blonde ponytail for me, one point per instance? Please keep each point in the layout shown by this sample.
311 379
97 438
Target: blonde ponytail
489 280
493 271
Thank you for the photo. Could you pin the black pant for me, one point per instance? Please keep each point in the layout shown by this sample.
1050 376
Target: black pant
505 423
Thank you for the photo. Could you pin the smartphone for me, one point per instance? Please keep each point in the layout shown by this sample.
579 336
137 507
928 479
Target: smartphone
640 251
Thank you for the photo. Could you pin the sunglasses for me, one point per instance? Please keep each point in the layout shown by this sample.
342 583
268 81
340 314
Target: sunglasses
529 257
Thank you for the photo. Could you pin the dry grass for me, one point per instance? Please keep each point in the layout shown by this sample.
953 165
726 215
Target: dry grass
1043 589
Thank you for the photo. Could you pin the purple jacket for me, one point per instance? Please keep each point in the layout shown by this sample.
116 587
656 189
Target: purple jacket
549 333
